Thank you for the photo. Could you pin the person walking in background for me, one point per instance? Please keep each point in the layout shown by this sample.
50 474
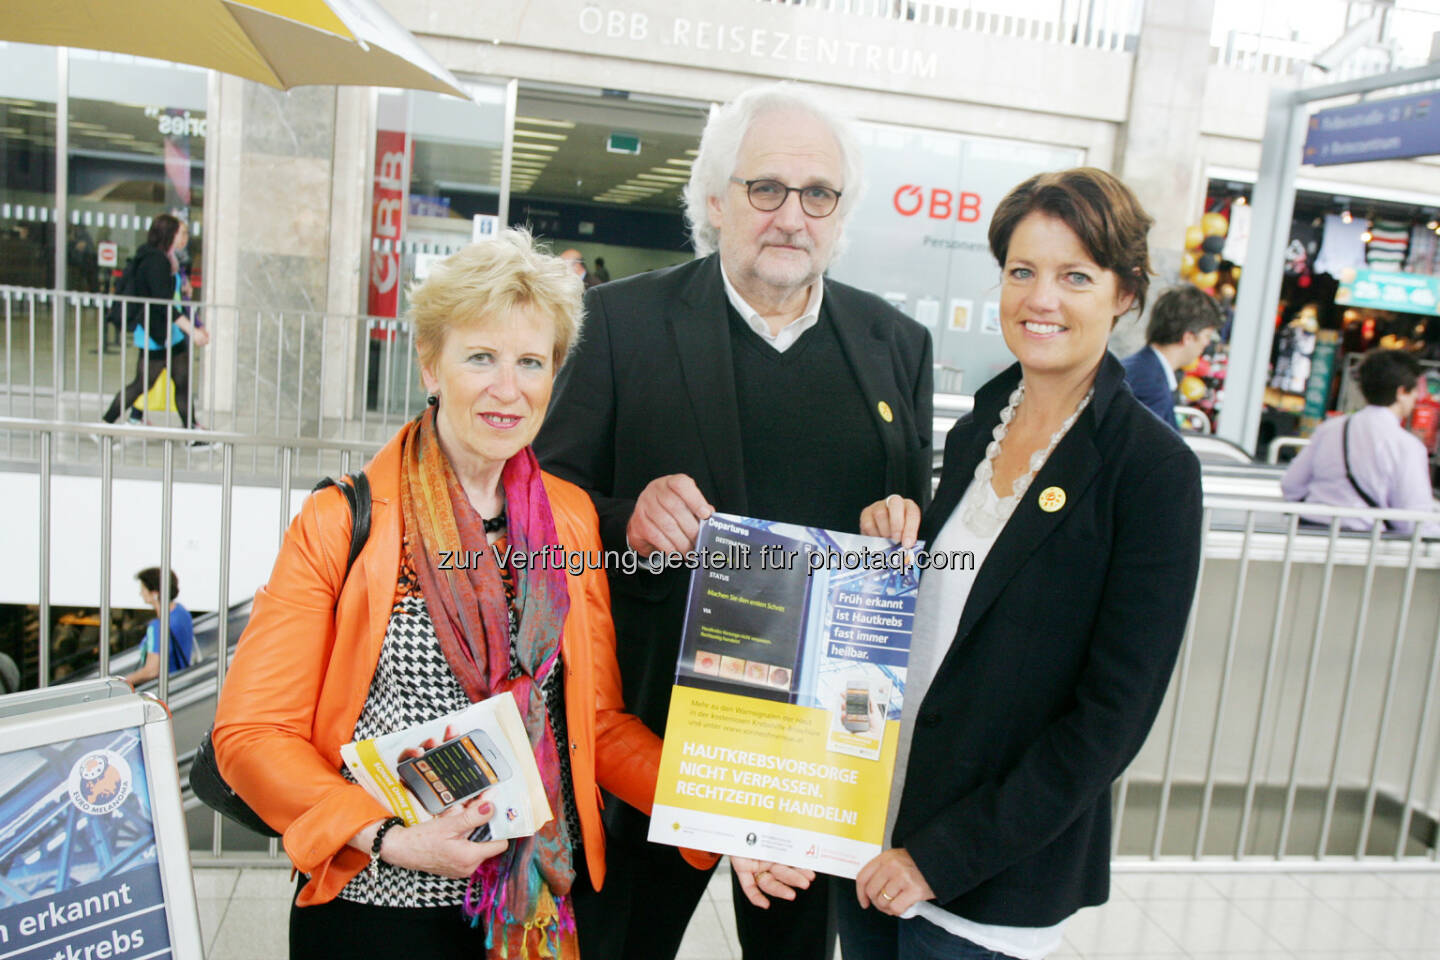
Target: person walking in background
1183 322
601 274
747 382
162 330
1368 458
182 629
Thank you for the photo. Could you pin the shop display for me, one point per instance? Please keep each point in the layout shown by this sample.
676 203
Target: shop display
1388 244
1342 244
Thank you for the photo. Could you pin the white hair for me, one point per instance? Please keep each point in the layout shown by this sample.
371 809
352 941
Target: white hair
720 148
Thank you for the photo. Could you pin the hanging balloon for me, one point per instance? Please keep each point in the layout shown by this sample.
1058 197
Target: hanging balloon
1194 236
1192 389
1207 263
1205 281
1213 244
1187 265
1214 225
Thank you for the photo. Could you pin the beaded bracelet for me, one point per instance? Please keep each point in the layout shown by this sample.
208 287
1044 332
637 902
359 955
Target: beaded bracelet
380 834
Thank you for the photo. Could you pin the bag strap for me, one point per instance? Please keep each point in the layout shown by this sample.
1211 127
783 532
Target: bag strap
1345 450
357 497
126 287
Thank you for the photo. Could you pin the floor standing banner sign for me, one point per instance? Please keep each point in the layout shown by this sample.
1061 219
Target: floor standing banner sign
780 743
94 861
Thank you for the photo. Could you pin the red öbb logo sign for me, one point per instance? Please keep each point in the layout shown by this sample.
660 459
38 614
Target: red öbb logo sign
937 202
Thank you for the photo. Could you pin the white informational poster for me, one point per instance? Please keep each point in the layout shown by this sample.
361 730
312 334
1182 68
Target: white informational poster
94 860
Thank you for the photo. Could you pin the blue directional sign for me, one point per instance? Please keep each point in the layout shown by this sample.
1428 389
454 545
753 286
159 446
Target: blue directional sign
1375 130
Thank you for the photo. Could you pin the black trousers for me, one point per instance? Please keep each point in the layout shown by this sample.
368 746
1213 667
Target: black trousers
358 931
651 892
149 364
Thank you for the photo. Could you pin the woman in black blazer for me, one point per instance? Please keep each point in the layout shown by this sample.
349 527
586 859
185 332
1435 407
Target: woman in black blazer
1035 677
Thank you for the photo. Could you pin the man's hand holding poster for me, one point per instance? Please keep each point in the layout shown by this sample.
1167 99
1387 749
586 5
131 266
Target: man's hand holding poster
783 725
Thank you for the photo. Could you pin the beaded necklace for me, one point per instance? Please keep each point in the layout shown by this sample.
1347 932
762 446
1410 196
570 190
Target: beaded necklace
980 516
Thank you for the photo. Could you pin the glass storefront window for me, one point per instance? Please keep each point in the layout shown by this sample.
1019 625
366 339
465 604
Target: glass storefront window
919 237
137 149
437 166
28 93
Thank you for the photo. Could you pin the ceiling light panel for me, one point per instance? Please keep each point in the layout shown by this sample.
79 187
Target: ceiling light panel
545 122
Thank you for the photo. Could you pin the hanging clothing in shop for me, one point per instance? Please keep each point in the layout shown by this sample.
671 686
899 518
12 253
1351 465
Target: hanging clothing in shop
1389 240
1292 359
1300 253
1341 247
1424 246
1237 240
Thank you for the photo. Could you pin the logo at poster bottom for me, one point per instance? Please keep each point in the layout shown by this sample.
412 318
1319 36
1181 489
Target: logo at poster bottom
99 782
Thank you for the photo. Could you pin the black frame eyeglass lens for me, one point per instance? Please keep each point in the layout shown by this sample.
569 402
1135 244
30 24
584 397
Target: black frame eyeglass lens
768 196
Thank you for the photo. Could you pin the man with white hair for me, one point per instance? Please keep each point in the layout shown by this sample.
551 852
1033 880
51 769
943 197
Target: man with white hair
743 382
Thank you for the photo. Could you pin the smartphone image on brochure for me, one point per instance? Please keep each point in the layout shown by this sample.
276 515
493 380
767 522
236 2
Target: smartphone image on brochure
455 771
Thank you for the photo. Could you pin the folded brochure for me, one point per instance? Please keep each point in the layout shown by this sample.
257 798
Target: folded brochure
418 772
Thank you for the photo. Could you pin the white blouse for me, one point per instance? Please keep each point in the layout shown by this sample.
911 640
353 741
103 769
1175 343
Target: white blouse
938 608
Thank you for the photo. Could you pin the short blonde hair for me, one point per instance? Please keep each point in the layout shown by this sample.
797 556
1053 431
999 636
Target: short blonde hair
489 279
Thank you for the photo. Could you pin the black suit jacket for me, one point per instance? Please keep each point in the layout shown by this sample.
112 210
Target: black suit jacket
1060 662
650 391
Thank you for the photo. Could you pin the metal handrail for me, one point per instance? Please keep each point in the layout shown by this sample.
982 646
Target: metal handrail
310 373
1289 507
215 437
1092 24
1199 416
1272 452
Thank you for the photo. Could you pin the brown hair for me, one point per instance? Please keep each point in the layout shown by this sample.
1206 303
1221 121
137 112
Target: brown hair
150 579
1181 310
1101 210
162 232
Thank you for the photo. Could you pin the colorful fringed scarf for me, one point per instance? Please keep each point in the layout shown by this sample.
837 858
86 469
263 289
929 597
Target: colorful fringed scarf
522 896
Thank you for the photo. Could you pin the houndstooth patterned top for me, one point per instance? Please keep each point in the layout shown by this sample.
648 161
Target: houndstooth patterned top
413 683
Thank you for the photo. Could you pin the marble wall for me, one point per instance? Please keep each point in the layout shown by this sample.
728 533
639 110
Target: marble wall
287 250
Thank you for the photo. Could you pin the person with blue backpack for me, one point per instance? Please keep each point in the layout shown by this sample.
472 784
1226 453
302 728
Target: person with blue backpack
162 330
182 629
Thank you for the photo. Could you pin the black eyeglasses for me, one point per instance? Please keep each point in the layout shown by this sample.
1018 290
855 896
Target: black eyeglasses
770 195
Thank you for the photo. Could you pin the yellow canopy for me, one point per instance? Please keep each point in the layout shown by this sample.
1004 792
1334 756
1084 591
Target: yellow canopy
282 43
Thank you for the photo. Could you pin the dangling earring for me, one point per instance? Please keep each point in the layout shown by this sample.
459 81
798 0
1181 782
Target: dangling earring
433 400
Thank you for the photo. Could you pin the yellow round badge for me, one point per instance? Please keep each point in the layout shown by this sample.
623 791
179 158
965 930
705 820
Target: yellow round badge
1052 499
886 413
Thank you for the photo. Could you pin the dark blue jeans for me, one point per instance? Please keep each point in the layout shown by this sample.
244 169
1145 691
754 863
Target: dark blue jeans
872 935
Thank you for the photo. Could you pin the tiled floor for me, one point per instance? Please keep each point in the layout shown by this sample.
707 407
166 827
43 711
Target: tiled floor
1206 916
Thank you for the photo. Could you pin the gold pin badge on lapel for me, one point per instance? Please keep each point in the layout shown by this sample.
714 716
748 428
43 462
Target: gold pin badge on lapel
886 413
1052 499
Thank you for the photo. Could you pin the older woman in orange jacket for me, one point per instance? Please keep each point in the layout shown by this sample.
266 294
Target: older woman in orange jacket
404 638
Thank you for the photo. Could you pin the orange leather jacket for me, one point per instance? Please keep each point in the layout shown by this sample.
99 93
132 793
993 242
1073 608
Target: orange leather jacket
303 668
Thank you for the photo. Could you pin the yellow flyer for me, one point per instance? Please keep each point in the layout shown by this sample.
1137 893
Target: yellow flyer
781 738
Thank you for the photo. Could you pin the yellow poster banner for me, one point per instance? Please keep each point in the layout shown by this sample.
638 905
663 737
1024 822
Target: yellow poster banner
757 778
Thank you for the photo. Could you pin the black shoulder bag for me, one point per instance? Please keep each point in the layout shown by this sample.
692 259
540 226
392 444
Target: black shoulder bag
118 313
205 779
